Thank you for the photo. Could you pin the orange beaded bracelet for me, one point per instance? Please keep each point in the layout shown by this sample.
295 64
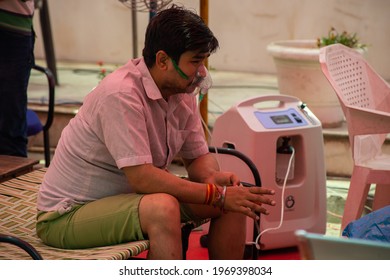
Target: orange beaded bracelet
215 196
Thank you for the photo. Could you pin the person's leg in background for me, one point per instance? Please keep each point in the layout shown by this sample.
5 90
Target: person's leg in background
16 60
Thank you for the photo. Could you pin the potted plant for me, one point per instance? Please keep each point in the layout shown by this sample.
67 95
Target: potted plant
299 74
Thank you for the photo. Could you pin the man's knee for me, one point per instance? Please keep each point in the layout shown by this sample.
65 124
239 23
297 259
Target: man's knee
160 207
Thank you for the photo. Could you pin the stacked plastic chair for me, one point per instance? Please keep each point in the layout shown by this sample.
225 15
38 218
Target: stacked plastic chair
365 99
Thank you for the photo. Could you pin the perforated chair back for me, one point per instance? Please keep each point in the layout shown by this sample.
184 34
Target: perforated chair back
357 85
349 73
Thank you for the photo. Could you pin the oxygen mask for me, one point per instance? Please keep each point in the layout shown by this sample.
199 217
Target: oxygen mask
201 83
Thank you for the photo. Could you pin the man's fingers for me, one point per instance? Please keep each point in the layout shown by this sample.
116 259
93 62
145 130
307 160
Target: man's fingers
261 190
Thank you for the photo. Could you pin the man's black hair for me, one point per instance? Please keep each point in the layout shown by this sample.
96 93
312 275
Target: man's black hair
175 31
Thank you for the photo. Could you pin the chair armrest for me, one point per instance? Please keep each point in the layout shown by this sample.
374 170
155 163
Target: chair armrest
21 244
51 85
244 158
368 121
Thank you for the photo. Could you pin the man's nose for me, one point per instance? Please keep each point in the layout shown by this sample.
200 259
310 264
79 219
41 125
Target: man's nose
202 71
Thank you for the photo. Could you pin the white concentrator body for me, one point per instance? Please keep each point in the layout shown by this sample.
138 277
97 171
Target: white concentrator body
260 128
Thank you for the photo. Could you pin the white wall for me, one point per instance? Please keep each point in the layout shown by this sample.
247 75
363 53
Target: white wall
93 30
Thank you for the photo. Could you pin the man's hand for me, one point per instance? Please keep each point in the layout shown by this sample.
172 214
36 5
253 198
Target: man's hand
224 179
248 200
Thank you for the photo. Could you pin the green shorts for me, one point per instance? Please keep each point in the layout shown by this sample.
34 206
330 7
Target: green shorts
108 221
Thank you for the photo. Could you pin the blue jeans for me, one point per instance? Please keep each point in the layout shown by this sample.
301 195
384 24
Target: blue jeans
16 60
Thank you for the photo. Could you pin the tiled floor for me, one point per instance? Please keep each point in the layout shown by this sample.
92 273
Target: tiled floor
76 80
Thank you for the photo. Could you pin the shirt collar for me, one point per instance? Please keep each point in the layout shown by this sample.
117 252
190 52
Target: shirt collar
151 89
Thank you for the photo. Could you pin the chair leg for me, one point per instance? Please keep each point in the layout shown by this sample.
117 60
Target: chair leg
357 195
382 196
46 146
185 235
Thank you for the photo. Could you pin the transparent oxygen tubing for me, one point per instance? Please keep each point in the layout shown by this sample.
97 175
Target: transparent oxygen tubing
201 95
201 84
281 204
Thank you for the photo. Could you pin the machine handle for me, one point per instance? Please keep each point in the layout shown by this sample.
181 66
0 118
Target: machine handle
264 98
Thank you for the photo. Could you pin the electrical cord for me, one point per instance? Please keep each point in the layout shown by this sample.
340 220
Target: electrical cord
281 204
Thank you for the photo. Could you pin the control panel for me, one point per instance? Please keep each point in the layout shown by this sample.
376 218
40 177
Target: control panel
281 119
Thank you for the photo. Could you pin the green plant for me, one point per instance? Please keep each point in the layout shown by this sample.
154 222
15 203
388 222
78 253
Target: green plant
345 38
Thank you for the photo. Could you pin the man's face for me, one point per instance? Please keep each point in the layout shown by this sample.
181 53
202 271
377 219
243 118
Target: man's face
184 72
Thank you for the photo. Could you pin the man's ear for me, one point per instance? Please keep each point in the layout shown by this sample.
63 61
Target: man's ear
162 60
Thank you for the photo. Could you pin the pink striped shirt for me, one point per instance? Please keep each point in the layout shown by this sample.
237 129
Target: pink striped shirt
124 121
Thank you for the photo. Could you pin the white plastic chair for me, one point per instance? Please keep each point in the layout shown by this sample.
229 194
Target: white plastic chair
365 99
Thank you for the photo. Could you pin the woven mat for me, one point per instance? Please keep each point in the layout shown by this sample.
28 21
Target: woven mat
18 216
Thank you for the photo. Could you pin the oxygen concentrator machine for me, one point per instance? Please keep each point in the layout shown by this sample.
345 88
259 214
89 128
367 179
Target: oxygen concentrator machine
270 129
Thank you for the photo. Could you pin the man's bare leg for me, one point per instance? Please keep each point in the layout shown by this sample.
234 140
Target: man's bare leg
226 237
160 220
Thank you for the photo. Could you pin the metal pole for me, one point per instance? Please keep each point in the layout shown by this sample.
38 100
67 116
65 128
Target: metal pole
48 39
134 25
204 13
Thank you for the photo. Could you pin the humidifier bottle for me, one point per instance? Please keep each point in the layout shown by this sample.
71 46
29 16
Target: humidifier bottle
283 156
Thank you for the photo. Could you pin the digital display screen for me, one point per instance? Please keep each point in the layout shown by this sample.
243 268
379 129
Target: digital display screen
281 119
